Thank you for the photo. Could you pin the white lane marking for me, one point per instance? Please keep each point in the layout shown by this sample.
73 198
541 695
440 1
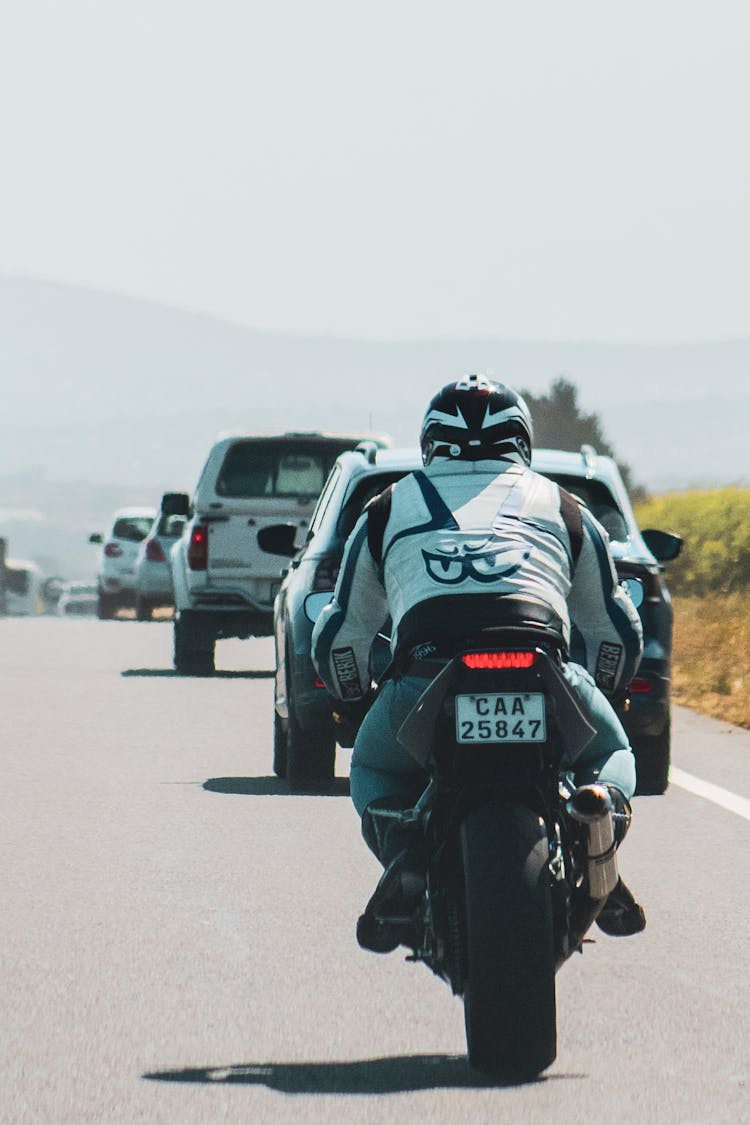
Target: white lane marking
715 793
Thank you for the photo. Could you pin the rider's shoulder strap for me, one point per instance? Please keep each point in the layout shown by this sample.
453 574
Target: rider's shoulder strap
378 511
570 510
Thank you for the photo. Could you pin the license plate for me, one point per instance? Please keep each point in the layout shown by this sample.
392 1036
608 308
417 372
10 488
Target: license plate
503 717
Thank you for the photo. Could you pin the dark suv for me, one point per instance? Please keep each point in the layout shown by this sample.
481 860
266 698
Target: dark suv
304 733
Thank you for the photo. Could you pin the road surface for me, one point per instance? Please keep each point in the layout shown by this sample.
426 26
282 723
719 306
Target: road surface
178 930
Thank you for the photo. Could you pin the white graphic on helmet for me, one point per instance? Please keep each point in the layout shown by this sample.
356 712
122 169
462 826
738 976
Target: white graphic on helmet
440 417
474 383
500 417
452 564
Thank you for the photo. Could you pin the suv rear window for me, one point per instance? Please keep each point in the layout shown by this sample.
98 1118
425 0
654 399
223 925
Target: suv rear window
132 528
252 469
365 491
599 500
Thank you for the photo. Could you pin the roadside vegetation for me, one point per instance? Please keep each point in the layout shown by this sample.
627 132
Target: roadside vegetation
710 586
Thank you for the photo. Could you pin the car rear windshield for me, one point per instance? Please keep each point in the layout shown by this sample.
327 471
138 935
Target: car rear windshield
254 469
599 500
132 528
17 580
171 527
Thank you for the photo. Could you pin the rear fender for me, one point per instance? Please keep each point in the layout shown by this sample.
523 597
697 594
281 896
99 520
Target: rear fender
417 733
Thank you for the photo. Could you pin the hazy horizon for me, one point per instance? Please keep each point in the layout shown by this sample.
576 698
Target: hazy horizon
312 214
488 170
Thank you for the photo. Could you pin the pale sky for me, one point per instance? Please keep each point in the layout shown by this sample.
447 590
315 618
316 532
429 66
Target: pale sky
539 169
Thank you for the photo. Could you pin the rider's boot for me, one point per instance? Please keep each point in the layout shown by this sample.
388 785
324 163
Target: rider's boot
621 915
389 917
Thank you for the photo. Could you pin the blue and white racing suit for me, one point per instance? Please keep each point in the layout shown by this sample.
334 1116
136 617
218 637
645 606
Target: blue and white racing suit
463 545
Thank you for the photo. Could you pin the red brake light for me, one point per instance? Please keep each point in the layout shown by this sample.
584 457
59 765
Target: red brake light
640 686
155 551
513 659
113 550
198 548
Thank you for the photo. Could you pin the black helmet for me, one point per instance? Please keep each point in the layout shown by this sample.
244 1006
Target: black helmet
476 419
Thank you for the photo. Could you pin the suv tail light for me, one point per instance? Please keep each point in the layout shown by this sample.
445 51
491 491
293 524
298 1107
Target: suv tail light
198 548
640 686
113 550
155 551
326 573
649 579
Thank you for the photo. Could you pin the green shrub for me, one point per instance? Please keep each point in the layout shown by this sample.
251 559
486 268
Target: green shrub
716 528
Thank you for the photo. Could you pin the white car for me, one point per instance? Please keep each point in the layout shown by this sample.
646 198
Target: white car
116 565
77 599
153 578
24 594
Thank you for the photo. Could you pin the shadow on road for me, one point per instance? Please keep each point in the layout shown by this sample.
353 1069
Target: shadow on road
368 1076
230 674
275 787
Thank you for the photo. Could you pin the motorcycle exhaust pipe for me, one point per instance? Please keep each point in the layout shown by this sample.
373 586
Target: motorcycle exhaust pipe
591 805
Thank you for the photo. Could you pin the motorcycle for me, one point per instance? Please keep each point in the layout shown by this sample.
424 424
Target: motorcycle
519 863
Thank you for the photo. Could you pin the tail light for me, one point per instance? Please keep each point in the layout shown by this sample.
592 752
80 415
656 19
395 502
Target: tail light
649 579
155 551
514 659
326 573
640 686
113 550
198 548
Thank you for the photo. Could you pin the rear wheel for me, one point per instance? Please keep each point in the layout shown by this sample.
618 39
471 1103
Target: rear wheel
279 746
509 997
143 609
310 754
106 606
189 660
652 756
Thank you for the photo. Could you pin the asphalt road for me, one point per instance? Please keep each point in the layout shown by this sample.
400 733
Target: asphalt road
177 929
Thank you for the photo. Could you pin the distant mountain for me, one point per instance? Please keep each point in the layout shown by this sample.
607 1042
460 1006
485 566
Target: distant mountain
125 396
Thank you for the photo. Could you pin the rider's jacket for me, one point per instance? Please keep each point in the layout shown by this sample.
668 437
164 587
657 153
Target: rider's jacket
466 545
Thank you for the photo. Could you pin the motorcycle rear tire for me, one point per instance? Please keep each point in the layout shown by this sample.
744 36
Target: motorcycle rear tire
509 996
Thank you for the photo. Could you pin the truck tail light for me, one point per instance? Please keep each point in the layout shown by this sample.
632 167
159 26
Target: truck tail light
155 551
198 548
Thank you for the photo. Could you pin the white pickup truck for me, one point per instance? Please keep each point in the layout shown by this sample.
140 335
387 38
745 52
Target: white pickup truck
224 583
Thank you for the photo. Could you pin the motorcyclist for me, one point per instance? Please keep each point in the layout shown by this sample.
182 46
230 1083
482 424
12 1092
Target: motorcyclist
475 538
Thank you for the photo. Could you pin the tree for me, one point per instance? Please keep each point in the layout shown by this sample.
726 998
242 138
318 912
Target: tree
559 423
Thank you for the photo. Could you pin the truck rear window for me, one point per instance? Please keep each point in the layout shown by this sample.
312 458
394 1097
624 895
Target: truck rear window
251 469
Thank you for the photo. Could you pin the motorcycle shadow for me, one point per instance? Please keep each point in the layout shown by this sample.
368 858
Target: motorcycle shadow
275 787
366 1076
